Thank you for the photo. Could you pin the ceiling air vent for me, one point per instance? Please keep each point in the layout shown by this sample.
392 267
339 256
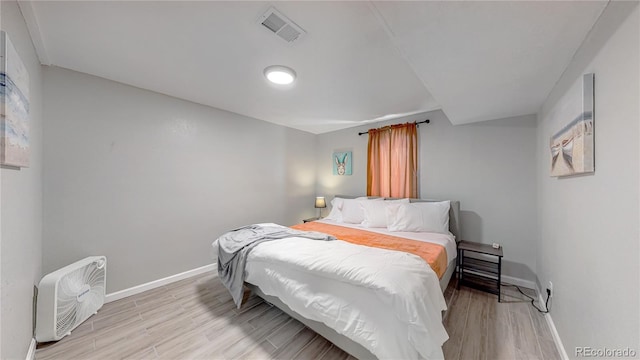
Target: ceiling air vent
282 26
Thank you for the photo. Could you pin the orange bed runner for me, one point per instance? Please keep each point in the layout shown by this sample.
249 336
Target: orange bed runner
434 254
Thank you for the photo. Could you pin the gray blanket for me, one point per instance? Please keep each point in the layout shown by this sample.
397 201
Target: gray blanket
235 245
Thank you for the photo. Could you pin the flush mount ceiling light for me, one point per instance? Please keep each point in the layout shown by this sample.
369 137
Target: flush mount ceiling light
280 75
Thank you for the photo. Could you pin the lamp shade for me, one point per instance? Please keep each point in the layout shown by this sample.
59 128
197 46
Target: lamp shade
320 203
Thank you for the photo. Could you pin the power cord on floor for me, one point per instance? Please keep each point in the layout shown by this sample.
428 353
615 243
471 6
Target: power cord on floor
546 304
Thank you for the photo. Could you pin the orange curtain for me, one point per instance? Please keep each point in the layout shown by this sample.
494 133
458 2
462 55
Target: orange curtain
392 165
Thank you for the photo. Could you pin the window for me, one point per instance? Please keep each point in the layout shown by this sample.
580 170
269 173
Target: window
392 164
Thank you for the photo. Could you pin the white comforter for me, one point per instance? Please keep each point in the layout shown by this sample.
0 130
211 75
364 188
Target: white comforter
388 301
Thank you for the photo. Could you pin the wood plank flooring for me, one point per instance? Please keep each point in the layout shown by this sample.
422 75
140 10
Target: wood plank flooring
196 319
480 327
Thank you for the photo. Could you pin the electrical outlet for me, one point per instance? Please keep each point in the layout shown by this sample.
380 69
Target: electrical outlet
550 289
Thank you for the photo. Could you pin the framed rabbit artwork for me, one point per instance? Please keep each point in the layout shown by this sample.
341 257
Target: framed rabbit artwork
342 163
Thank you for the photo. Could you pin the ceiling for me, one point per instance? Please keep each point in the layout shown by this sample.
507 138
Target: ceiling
360 62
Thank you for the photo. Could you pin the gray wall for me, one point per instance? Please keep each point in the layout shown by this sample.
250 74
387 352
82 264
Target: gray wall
150 181
489 167
21 208
589 236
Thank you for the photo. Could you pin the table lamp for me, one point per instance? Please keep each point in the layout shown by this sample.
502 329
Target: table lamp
320 203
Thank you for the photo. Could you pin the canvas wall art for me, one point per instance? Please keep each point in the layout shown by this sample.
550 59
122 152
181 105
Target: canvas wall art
572 148
342 163
14 106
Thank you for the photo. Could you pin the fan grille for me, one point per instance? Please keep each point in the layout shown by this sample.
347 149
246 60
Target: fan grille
282 26
80 293
274 23
289 33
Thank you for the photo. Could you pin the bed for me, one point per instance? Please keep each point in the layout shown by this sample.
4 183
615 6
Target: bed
401 316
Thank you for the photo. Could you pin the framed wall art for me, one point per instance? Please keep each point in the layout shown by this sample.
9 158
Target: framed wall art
572 148
14 106
342 163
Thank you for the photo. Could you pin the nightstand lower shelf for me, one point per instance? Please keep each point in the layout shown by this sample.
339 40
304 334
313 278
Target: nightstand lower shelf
477 273
478 282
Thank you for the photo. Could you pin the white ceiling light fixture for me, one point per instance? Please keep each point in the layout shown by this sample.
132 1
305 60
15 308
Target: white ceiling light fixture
280 75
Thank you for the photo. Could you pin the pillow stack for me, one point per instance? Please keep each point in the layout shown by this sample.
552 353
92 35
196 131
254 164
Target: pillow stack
395 215
419 217
375 212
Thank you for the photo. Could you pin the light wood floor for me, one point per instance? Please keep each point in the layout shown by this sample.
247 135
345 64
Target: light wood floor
196 319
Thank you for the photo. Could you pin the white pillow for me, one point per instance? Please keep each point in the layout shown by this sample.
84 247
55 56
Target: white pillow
420 217
391 212
352 211
336 210
375 214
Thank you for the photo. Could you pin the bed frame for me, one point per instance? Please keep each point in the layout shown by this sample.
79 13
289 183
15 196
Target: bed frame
351 347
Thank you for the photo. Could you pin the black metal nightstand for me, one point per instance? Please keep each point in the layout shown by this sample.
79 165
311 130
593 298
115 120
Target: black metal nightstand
477 273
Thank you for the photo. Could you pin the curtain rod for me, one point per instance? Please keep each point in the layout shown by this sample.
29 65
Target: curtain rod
415 122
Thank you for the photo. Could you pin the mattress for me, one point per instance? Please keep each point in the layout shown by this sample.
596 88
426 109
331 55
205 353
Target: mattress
388 301
438 250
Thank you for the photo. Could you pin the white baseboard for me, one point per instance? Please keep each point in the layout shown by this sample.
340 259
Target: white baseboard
520 282
552 327
554 332
31 354
157 283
